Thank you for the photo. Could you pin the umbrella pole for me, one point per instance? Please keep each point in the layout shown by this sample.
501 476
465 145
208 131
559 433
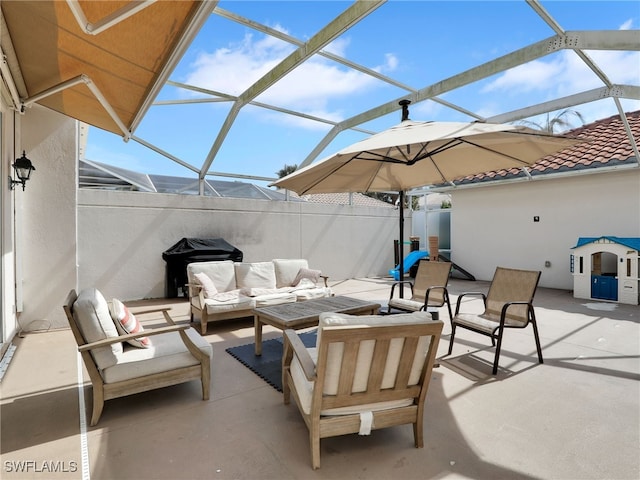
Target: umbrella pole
401 244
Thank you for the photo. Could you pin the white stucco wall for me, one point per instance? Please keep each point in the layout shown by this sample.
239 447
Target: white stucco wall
494 225
7 264
122 236
47 218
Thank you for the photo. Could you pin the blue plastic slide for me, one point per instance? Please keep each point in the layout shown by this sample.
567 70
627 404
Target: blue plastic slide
409 261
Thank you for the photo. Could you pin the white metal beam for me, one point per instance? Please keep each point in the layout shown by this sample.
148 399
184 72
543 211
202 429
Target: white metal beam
199 19
326 35
108 21
600 40
93 88
616 91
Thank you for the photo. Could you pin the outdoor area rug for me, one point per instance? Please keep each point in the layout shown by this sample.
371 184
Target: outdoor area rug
268 366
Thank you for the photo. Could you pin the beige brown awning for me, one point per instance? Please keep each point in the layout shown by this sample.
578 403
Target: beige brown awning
101 62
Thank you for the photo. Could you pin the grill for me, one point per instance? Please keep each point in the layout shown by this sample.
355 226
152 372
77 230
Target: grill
189 250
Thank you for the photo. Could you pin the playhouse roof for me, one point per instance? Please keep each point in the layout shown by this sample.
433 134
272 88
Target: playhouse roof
631 242
607 146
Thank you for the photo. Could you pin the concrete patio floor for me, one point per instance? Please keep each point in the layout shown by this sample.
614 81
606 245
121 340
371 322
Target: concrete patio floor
577 416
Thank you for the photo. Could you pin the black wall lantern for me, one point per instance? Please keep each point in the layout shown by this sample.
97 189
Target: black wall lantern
23 168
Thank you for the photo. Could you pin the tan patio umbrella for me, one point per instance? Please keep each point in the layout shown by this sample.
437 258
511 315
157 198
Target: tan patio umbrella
415 154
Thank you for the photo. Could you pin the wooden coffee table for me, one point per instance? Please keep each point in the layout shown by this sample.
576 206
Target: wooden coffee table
306 313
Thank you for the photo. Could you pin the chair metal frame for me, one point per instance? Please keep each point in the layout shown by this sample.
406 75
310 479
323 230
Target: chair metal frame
510 314
427 283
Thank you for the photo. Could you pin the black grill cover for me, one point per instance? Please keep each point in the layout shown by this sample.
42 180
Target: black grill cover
190 250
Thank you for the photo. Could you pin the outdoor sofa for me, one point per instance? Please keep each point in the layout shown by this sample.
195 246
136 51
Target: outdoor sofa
226 290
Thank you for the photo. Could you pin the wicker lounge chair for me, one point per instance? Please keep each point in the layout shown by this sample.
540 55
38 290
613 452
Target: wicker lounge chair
508 304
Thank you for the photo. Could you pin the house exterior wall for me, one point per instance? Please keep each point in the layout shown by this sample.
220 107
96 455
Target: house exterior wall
123 235
47 218
494 225
8 135
38 224
66 238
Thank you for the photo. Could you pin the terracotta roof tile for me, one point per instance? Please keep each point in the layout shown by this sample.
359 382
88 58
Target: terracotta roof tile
608 146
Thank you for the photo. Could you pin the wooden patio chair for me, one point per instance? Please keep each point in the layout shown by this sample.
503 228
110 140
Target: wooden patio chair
366 372
508 304
429 289
176 354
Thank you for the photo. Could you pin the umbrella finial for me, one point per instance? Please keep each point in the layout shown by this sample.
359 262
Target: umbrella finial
405 109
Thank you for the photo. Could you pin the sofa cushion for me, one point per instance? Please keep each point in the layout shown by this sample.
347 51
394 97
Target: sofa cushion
91 313
126 322
222 274
306 274
311 293
255 275
274 299
286 270
207 284
239 302
255 292
167 352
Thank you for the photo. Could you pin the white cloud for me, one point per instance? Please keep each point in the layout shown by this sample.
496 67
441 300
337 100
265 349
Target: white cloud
627 25
534 75
316 84
234 68
566 74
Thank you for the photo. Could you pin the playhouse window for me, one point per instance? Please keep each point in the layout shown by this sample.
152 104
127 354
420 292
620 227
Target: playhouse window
628 267
581 265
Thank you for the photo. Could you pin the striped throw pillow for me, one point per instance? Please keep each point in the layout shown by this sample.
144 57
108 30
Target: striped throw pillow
126 322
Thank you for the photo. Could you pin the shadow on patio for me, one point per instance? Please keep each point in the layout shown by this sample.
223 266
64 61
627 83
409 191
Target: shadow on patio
529 421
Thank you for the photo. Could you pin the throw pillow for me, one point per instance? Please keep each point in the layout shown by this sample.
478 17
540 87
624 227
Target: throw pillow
312 275
126 322
207 285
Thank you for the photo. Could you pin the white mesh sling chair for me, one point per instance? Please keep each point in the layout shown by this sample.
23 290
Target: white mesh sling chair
508 304
365 373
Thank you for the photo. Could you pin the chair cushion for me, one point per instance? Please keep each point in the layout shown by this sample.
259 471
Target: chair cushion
484 323
255 275
222 274
304 388
207 284
167 352
287 269
330 320
91 313
406 304
126 322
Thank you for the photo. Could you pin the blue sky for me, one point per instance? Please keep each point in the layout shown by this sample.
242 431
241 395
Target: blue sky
418 43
